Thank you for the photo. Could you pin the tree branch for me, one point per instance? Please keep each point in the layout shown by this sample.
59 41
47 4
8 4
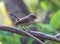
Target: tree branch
35 33
44 36
17 31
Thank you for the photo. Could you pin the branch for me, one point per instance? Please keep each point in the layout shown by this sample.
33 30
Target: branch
17 31
44 36
35 33
57 35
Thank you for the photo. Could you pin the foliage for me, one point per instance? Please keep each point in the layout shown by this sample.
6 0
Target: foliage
44 28
49 28
55 21
31 4
9 38
0 0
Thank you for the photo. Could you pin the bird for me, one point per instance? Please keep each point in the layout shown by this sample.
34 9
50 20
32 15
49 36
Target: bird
25 21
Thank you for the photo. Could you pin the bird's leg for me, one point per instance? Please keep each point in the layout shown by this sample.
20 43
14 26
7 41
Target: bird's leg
23 27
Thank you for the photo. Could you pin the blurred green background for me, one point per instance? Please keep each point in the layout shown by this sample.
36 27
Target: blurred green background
50 26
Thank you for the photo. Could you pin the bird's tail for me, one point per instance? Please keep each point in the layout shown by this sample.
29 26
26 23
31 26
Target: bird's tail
15 16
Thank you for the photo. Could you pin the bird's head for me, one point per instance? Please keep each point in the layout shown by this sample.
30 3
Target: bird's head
32 17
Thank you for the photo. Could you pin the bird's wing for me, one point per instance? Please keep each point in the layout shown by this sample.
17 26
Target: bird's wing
22 20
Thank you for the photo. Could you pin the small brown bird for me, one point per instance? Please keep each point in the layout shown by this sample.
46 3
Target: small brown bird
25 21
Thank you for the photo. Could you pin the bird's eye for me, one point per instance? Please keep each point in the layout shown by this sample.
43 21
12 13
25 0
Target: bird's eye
34 17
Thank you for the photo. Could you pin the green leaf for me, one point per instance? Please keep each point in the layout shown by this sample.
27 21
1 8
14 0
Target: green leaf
55 21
